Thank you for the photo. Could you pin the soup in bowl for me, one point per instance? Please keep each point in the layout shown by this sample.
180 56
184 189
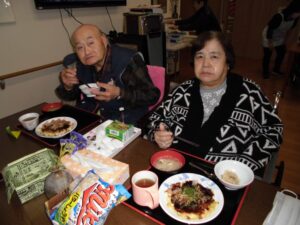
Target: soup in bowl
29 120
167 161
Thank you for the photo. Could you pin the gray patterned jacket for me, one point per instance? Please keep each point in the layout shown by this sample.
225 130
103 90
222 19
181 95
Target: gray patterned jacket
243 127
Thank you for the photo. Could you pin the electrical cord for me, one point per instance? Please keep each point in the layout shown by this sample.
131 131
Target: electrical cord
110 19
64 26
70 13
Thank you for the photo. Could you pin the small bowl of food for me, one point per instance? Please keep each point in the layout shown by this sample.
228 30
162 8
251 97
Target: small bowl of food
51 107
233 175
169 161
29 120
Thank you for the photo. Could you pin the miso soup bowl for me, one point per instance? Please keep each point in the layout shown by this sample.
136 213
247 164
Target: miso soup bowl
29 120
168 161
51 107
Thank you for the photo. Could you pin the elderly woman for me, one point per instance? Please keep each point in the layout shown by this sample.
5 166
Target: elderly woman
224 115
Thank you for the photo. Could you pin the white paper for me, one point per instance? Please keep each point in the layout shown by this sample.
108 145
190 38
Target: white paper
6 13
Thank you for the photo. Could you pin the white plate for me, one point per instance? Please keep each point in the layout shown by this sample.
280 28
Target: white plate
71 120
182 177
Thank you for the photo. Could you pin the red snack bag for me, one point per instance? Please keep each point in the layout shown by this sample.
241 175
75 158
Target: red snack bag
89 203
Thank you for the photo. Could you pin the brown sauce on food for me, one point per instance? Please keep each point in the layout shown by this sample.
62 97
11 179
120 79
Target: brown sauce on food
56 125
191 197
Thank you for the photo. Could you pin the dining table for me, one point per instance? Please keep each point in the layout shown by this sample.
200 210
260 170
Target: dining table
256 205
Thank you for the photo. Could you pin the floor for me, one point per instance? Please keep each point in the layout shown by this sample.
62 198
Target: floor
289 112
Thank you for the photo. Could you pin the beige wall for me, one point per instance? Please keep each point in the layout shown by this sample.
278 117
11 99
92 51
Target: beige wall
37 38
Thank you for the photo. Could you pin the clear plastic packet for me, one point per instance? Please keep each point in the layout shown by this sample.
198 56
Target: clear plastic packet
89 203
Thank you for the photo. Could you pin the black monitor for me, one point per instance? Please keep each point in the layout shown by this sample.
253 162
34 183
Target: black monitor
61 4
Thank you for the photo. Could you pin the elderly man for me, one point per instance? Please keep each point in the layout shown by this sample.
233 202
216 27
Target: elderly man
120 73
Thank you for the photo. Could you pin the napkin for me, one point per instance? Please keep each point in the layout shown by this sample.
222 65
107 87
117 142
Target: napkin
110 170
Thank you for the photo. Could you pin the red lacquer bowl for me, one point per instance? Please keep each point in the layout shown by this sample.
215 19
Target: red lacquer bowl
169 161
51 107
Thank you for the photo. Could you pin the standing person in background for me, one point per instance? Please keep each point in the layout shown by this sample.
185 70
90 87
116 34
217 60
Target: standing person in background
120 73
274 36
203 19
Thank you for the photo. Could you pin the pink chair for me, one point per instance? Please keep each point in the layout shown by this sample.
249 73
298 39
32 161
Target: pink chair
157 74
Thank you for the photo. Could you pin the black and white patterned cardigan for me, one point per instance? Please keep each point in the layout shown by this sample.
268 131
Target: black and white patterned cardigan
243 127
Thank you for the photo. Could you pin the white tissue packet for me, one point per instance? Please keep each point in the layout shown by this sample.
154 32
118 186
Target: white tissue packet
98 141
110 170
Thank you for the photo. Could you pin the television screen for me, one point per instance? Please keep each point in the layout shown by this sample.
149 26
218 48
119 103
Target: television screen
59 4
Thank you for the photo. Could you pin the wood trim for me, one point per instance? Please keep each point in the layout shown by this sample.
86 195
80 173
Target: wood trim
30 70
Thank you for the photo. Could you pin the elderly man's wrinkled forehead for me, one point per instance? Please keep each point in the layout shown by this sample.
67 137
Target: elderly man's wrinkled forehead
85 30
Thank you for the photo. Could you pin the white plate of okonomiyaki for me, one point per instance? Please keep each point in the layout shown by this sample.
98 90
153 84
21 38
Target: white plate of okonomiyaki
191 198
56 127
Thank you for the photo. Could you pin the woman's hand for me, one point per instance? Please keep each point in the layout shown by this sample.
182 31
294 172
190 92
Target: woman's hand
69 78
163 137
106 91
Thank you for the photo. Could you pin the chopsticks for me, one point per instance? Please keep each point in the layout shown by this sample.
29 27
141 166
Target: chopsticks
81 82
181 138
210 175
187 141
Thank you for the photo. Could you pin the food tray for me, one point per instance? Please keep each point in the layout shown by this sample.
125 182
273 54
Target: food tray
85 121
106 146
233 200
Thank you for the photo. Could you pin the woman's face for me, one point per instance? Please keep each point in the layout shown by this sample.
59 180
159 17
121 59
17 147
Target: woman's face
210 64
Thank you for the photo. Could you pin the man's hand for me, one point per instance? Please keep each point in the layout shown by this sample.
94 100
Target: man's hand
69 78
163 137
106 91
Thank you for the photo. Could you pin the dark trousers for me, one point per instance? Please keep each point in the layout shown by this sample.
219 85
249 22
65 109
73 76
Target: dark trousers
280 52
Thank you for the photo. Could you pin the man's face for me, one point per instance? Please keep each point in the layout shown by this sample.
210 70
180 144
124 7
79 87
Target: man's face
90 46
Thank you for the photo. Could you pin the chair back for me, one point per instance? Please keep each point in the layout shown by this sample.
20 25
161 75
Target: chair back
157 74
278 95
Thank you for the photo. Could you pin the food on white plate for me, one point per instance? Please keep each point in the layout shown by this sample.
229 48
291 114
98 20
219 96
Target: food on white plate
191 200
230 177
167 164
56 127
